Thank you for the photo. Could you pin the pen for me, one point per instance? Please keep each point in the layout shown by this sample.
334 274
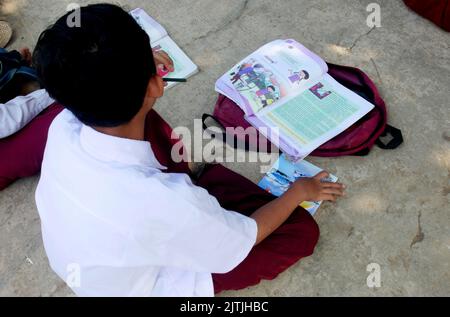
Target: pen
175 80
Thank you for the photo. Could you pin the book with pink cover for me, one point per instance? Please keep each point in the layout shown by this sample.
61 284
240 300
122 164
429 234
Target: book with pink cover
286 88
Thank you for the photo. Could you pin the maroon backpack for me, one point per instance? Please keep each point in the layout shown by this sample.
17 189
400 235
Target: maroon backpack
356 140
437 11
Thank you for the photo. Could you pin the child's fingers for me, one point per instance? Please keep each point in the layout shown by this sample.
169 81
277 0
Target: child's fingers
162 71
333 185
334 191
328 197
26 55
322 175
160 54
163 58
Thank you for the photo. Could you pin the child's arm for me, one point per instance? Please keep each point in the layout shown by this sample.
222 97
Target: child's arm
271 216
18 112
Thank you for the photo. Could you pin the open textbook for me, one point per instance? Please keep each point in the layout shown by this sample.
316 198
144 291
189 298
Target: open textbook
160 39
284 173
286 88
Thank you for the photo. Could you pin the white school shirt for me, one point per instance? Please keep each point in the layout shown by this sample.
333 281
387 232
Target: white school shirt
18 112
114 225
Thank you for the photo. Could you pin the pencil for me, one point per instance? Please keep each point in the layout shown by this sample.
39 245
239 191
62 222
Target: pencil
175 80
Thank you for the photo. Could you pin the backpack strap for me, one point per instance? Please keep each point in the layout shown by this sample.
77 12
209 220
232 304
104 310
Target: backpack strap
205 117
396 134
223 136
395 142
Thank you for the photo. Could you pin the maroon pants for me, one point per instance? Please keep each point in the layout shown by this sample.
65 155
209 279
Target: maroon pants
294 240
21 154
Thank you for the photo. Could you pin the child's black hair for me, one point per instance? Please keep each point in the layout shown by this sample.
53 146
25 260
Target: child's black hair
306 74
100 70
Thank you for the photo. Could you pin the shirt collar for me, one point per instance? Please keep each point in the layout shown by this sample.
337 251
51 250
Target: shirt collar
108 148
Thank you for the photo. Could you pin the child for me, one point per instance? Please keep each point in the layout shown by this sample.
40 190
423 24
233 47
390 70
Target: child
297 77
25 116
116 219
268 96
20 98
26 112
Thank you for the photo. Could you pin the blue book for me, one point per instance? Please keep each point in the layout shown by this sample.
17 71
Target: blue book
285 172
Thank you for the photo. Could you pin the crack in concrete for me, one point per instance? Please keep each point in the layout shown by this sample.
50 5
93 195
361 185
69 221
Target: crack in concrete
376 68
18 262
233 17
59 287
4 223
350 232
445 191
420 236
355 42
446 136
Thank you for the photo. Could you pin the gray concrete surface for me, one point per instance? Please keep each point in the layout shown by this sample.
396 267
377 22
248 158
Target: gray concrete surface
396 213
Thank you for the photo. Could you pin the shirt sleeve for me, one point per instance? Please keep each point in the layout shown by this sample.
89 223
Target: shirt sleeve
18 112
191 231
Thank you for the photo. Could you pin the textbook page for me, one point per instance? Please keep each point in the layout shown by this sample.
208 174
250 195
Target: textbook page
318 114
271 74
284 173
154 30
160 40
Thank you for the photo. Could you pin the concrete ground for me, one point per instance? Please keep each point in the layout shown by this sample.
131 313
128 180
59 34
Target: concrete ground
397 210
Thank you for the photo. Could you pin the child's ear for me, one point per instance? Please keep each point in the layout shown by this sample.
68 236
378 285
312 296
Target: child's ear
155 88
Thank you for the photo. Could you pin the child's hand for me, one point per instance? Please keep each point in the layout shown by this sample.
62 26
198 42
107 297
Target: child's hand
163 62
315 189
26 55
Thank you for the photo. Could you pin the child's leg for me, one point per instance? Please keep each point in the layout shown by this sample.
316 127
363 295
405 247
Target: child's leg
294 240
22 153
